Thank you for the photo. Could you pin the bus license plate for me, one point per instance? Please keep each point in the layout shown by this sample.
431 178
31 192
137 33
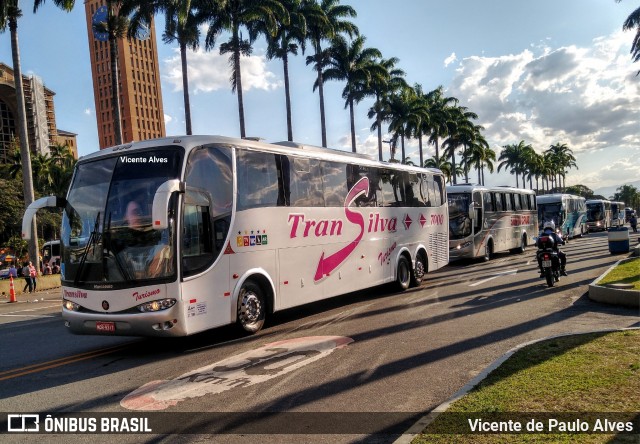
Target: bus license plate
105 326
546 264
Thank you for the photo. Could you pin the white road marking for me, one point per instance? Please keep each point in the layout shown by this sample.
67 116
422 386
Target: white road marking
504 273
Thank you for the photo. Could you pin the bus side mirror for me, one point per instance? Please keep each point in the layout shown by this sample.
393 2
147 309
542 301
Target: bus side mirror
472 212
159 214
43 202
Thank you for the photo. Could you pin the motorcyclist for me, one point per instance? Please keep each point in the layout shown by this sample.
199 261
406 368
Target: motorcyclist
549 229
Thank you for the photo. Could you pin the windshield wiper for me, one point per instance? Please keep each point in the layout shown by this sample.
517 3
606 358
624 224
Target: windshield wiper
93 239
106 236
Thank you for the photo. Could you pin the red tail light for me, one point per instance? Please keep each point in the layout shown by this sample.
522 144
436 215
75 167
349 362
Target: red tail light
547 257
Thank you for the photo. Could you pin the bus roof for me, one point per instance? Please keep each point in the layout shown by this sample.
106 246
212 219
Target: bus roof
597 201
286 148
557 197
470 187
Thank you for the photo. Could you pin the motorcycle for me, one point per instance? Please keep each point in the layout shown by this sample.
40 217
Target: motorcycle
548 259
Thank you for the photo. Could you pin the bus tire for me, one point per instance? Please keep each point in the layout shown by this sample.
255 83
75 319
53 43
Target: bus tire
523 244
419 270
252 307
488 251
403 273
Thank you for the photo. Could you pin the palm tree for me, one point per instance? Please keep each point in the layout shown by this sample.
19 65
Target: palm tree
562 155
288 38
11 12
513 157
181 25
633 22
442 164
481 155
390 81
326 27
418 124
439 116
354 64
461 133
116 28
399 115
231 16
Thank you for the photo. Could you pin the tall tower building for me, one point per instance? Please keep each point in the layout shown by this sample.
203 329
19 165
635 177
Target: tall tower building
139 81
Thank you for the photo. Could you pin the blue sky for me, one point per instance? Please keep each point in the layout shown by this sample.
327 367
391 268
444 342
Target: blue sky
544 72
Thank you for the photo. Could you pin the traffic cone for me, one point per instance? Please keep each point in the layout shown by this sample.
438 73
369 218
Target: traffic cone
12 292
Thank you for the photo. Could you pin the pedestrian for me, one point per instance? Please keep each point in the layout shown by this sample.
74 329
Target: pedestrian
633 221
26 274
34 274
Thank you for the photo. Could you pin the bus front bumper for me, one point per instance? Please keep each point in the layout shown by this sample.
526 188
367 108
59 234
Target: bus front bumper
165 323
461 250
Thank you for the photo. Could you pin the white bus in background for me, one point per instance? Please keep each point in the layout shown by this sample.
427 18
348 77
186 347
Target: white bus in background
617 214
598 214
51 252
568 213
174 236
486 220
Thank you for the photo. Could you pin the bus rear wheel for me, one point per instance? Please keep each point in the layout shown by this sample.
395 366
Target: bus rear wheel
403 274
251 307
418 271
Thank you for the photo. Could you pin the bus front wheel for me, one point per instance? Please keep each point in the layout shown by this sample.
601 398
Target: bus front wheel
251 307
488 251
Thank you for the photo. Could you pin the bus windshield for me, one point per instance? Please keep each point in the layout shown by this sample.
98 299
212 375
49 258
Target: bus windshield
107 235
550 213
594 212
459 221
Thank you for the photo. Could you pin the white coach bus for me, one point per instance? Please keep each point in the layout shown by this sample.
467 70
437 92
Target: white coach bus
485 220
598 214
617 214
566 211
174 236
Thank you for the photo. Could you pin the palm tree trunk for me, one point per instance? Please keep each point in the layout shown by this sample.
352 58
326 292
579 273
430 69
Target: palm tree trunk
185 88
25 153
353 126
453 164
115 88
287 95
379 121
236 67
379 124
437 152
323 124
420 149
402 147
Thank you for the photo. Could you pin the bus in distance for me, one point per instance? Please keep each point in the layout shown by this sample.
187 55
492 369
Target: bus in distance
566 211
486 220
598 214
51 252
174 236
617 214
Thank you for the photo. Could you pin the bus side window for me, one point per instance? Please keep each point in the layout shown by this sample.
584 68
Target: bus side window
497 198
258 180
438 190
334 182
306 183
506 201
488 203
516 202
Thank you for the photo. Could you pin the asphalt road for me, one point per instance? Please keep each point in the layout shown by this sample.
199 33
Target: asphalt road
406 352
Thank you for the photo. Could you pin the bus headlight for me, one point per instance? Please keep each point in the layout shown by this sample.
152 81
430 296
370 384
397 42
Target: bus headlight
71 306
158 305
464 245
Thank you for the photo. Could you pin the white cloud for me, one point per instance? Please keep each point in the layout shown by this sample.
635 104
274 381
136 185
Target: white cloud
87 111
586 97
210 71
451 59
167 118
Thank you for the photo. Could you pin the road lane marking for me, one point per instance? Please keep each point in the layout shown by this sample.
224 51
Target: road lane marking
504 273
34 368
242 370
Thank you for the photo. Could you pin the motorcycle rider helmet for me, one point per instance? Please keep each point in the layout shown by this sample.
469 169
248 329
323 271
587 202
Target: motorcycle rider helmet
549 224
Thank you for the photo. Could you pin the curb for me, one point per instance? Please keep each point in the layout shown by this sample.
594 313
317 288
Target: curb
615 296
417 428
